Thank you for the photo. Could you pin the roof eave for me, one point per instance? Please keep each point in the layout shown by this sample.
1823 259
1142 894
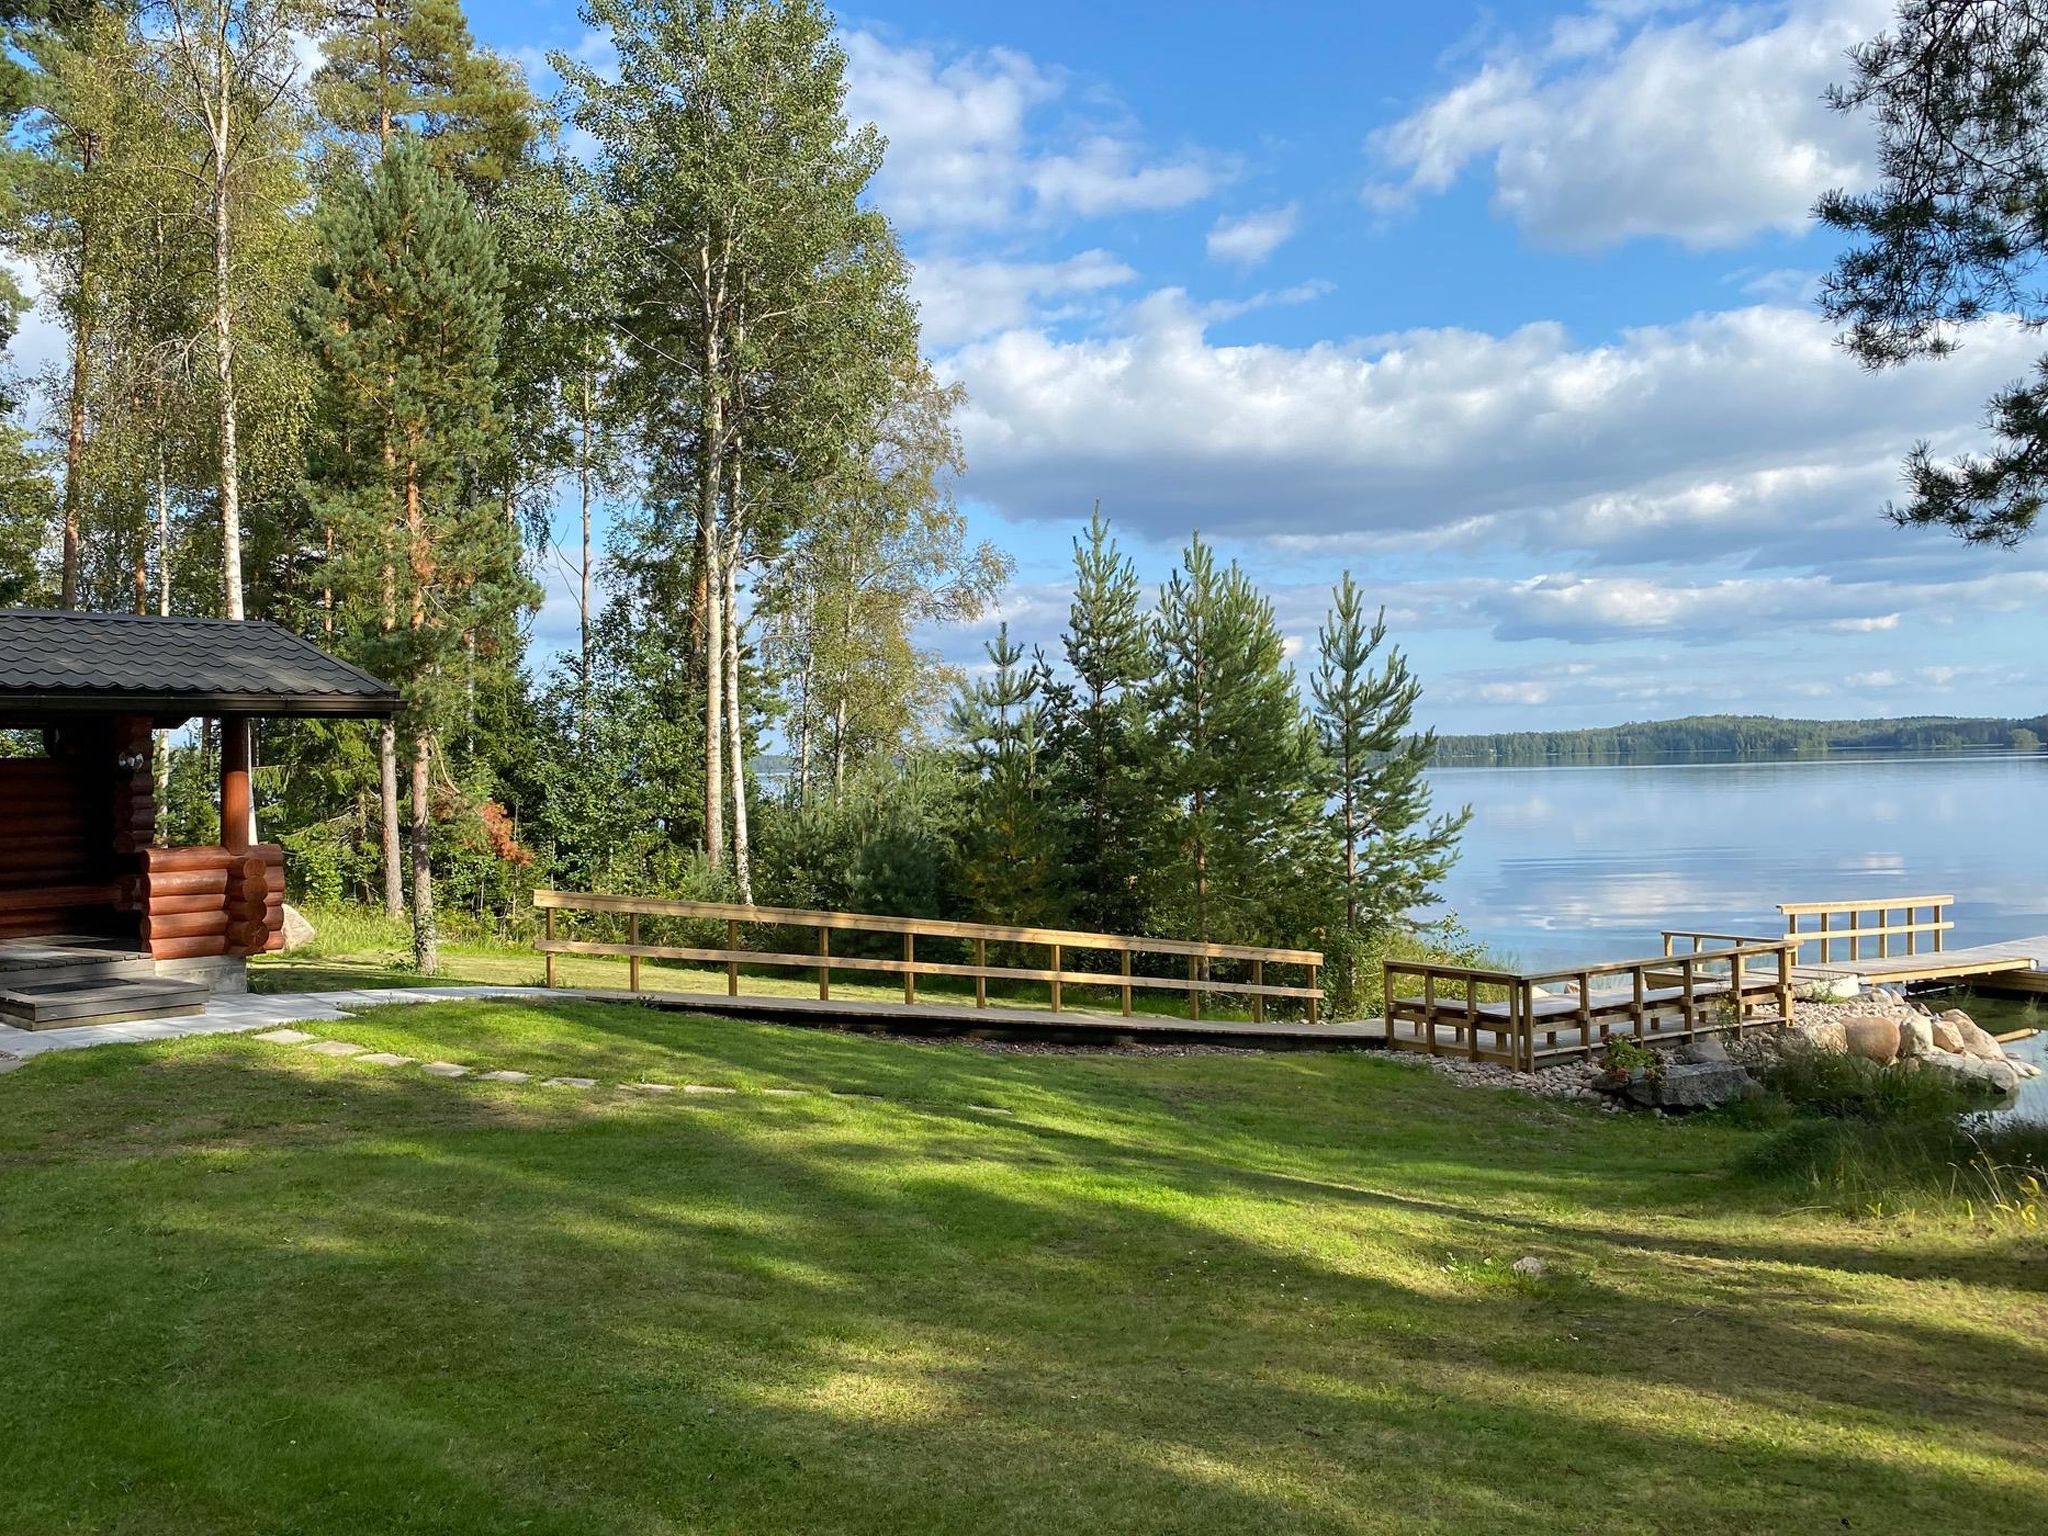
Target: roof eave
185 706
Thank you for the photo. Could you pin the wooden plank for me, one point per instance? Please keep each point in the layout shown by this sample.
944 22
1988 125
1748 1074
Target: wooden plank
1807 908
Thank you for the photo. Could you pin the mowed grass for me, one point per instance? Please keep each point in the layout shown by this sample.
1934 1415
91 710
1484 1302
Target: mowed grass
250 1289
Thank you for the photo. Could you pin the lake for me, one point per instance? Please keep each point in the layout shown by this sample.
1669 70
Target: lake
1569 864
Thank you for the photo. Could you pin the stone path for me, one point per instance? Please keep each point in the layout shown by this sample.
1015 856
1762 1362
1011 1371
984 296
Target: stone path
273 1014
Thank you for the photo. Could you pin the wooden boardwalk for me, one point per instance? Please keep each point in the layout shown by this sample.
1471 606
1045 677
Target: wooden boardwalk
2021 964
998 1022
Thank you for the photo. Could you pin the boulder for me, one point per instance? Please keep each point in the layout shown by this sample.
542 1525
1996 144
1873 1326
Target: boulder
1873 1037
1947 1036
1994 1077
1836 989
1702 1085
1823 1035
298 933
1916 1034
1530 1266
1979 1042
1706 1048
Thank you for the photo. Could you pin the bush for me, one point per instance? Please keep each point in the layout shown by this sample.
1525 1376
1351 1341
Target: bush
1836 1086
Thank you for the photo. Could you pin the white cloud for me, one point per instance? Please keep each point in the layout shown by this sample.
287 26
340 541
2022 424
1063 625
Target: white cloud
1249 239
1745 430
1704 123
960 300
963 155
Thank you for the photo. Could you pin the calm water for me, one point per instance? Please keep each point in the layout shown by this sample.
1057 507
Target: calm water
1568 864
1562 865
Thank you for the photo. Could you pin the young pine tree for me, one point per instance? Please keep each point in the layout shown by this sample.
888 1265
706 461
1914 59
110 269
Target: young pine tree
1391 851
403 315
1010 849
1236 759
1098 735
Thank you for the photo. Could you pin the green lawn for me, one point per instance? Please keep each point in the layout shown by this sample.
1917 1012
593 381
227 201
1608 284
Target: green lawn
249 1289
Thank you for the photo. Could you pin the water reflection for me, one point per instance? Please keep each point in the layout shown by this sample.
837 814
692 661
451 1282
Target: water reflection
1569 864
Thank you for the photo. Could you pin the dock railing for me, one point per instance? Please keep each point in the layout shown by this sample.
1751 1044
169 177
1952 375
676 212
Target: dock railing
974 938
1842 923
1516 1018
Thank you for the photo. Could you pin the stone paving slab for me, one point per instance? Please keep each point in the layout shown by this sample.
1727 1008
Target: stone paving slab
570 1082
706 1088
386 1059
334 1048
506 1077
649 1087
287 1037
787 1093
445 1069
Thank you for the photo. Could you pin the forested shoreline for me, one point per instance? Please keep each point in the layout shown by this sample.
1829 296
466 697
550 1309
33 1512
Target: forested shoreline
365 339
1742 736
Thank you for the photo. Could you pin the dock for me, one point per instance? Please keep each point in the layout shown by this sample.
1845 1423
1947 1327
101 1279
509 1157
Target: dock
2012 965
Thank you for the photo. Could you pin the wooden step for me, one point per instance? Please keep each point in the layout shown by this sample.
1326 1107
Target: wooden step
63 1004
26 964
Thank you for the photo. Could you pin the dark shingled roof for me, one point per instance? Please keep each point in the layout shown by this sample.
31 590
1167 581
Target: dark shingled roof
124 663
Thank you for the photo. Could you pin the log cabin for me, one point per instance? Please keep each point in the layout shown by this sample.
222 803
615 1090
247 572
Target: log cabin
99 922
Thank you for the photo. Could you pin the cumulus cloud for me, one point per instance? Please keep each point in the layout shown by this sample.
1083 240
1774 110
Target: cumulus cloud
965 153
1249 239
1725 432
959 300
1703 123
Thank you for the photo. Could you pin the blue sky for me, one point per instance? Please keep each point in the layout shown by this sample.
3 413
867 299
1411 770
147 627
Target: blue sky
1504 308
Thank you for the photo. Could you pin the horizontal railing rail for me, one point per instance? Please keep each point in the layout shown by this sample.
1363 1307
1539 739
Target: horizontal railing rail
1056 975
1528 1011
1855 933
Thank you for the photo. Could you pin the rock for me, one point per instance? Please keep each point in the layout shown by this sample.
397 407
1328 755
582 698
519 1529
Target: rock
2024 1068
1947 1036
1836 989
1997 1077
1706 1048
1823 1035
1702 1085
1873 1037
1528 1264
1978 1042
445 1069
1916 1034
9 1062
298 933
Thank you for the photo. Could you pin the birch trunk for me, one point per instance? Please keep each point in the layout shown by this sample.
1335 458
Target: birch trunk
224 337
742 862
711 480
387 787
426 943
74 437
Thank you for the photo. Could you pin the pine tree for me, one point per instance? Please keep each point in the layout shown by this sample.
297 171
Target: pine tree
1391 852
1098 734
1235 758
404 316
1010 850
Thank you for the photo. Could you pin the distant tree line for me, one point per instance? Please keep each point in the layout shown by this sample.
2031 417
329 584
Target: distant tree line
1737 736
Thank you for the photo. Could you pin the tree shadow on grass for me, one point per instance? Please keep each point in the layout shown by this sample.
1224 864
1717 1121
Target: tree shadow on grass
329 1300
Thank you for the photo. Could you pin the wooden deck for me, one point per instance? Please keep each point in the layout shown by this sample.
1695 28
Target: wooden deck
998 1022
2018 963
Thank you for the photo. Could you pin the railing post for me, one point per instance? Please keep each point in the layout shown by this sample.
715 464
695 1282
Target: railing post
1127 983
1940 938
824 965
1258 998
1315 993
633 961
1785 982
548 931
1055 978
1194 997
732 967
1827 945
910 967
981 964
1686 1004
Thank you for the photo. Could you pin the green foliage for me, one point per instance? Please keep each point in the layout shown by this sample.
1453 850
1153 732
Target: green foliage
1951 233
884 843
1010 854
1839 1086
1721 736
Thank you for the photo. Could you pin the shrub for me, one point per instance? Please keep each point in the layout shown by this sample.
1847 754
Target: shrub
1842 1087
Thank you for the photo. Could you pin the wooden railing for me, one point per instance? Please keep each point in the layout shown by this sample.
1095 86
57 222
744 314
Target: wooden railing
1527 1013
1855 933
1056 975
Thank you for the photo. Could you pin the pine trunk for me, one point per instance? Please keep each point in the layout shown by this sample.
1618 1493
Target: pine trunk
74 437
426 945
387 776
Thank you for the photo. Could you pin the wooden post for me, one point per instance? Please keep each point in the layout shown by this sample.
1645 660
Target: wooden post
1855 936
1686 1002
547 928
1785 984
1258 998
824 965
910 961
1194 996
1127 983
1055 978
1939 936
1827 947
732 967
633 961
1315 993
1471 1019
981 982
237 803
